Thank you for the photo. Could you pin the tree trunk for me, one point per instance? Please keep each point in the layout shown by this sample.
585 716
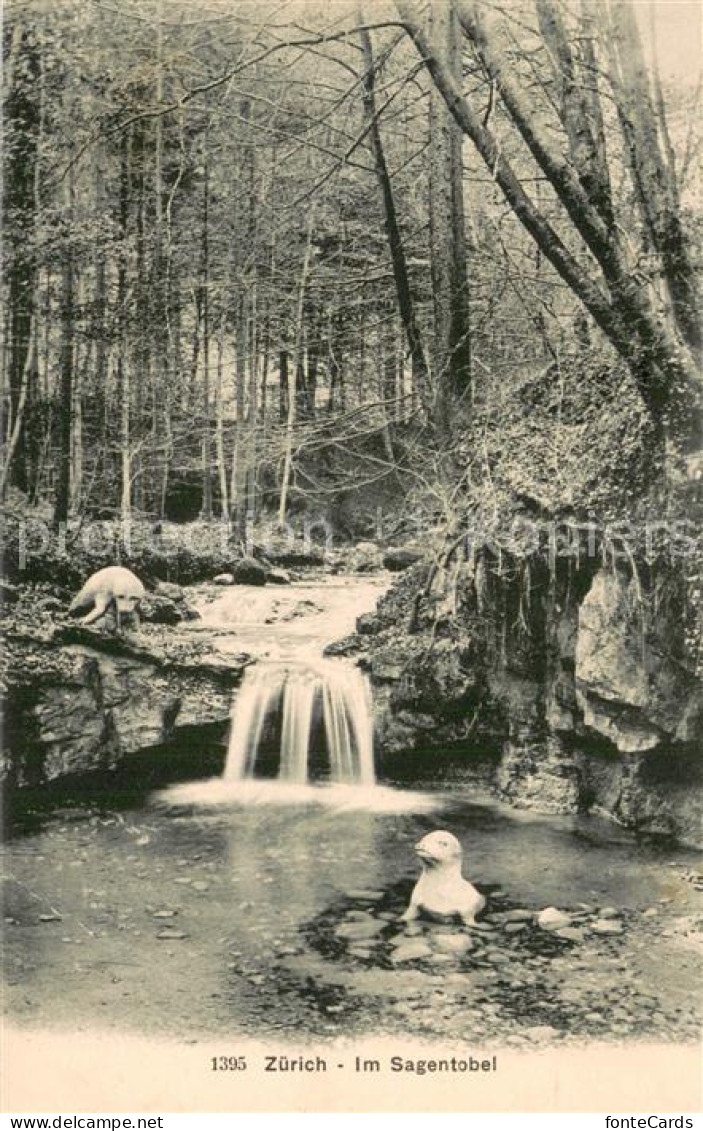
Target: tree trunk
66 362
452 347
406 305
661 364
22 126
293 369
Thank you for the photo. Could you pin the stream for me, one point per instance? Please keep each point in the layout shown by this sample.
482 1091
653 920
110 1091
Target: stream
267 907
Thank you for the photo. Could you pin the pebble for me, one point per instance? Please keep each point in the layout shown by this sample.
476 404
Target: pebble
454 944
164 914
650 912
518 915
573 934
497 956
359 929
200 885
360 951
170 934
607 927
515 928
551 919
609 913
541 1032
410 951
372 896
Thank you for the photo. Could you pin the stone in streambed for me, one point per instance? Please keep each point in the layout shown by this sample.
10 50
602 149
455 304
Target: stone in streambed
223 579
454 944
515 928
608 913
517 915
363 893
359 929
572 934
607 927
551 919
411 951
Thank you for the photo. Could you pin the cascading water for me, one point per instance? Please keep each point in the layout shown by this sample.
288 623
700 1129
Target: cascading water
294 698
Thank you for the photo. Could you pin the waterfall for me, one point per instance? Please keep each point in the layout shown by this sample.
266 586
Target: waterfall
297 701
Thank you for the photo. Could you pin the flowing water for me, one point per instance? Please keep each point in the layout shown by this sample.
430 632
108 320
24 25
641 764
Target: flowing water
327 700
270 905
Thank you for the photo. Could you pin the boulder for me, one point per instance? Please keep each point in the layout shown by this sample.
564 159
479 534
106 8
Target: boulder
398 559
158 609
368 624
629 684
103 698
365 558
247 571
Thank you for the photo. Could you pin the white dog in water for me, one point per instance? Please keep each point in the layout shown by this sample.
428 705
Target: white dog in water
442 890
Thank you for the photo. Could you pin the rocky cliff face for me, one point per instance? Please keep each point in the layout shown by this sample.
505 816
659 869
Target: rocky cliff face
85 704
565 689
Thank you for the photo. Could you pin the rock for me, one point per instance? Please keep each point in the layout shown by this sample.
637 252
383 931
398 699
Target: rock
397 559
347 646
223 579
497 956
50 605
573 934
541 1033
359 929
368 624
286 555
551 919
607 927
278 577
171 590
455 944
628 684
365 558
158 609
247 571
170 934
359 951
410 951
517 915
200 885
9 594
608 913
515 928
363 893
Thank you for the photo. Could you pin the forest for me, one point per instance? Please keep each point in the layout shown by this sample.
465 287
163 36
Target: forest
273 260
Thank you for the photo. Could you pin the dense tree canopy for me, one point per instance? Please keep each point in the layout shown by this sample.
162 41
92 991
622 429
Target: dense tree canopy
258 255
